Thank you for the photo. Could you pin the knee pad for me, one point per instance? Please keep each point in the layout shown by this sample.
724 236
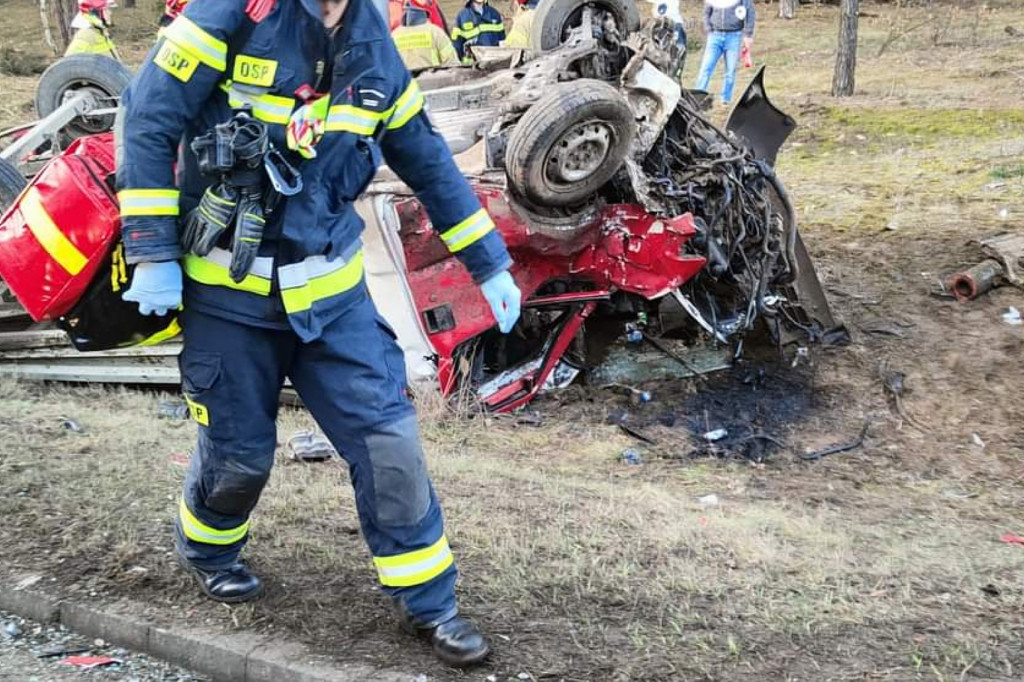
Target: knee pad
401 487
232 486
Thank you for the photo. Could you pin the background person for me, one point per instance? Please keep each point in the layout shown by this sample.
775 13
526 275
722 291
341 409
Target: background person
521 33
90 24
422 43
728 24
477 24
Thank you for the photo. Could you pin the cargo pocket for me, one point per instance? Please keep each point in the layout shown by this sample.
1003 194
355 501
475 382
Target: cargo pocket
202 387
401 488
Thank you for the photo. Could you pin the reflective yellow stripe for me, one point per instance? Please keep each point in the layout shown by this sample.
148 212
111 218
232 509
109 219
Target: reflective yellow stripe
492 28
199 43
267 108
468 231
172 330
198 531
148 202
414 568
466 33
346 118
48 234
214 274
299 298
413 41
408 105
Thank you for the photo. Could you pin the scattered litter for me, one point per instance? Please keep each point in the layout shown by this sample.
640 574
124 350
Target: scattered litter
27 582
90 662
709 500
632 457
882 328
716 435
1012 317
979 279
702 520
894 383
98 643
12 630
55 650
71 425
840 447
1011 539
492 678
421 678
636 434
978 441
525 676
172 409
310 446
529 419
991 590
180 460
802 353
635 394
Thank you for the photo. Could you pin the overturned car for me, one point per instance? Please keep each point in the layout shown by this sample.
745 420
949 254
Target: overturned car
629 215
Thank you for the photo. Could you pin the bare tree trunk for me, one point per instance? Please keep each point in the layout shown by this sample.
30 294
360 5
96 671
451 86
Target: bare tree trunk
787 8
846 54
47 33
129 4
63 12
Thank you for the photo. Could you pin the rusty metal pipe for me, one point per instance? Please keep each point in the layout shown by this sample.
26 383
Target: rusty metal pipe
971 283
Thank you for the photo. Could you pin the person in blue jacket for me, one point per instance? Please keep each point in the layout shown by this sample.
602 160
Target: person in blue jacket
729 25
276 290
477 24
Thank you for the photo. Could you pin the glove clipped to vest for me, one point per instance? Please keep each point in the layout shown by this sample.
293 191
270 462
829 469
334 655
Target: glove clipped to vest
234 154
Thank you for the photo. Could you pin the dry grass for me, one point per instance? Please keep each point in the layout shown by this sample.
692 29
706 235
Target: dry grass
879 564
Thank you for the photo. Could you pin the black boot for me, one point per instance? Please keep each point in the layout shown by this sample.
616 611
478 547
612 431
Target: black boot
231 585
457 642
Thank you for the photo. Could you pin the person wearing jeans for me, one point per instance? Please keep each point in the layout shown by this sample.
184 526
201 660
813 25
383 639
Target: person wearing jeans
728 24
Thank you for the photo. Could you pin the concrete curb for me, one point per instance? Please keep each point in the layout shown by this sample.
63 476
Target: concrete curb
226 657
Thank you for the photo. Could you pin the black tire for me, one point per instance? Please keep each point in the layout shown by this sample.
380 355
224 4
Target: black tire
104 77
554 18
569 143
11 184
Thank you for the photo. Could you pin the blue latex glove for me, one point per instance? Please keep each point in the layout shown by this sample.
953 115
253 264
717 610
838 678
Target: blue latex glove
504 296
156 287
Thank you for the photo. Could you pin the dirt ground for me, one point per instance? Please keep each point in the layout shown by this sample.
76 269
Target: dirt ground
882 563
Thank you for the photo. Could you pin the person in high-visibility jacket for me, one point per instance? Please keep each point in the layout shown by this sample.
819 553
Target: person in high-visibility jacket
421 43
91 24
277 290
521 33
477 24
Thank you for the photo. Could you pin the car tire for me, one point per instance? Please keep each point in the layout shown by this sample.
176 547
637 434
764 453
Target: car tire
104 77
569 144
11 184
555 17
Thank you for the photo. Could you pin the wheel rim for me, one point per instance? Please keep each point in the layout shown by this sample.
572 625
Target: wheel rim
99 99
579 153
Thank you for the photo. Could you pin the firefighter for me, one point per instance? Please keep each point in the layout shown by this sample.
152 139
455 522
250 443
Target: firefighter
521 33
272 281
421 43
172 8
91 24
477 24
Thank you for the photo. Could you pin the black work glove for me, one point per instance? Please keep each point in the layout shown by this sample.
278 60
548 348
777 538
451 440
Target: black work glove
249 223
208 221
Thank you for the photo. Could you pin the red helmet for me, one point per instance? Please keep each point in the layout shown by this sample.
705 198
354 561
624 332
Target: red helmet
95 5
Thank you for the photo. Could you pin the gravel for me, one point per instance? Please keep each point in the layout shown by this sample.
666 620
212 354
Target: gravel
30 652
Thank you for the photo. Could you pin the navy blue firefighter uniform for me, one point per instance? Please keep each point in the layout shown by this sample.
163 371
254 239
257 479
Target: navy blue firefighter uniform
303 311
477 24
